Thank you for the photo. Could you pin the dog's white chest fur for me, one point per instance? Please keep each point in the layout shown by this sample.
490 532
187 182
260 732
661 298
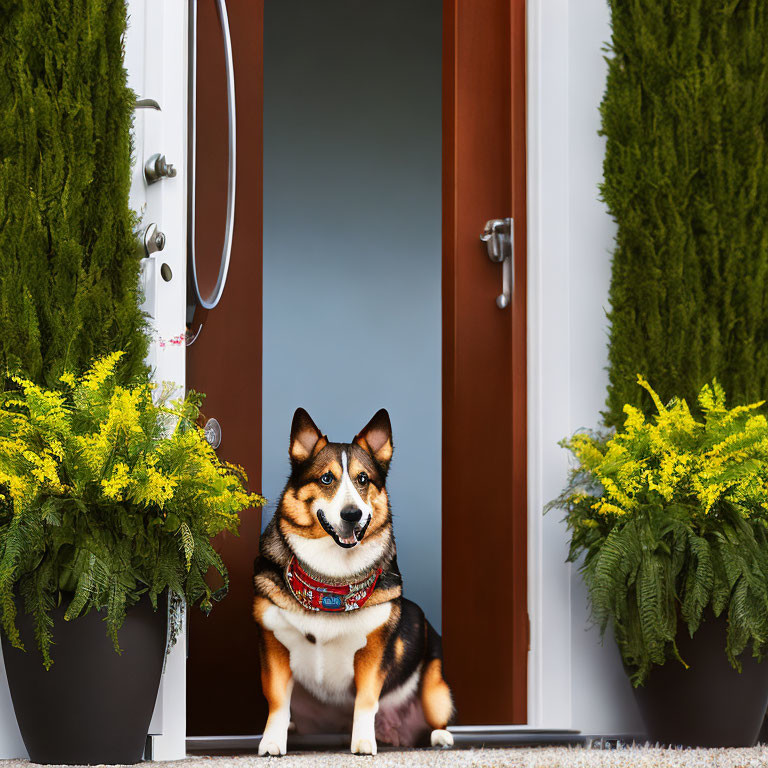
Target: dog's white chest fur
325 667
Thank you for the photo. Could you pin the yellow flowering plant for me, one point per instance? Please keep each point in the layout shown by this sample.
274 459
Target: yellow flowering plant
669 520
108 492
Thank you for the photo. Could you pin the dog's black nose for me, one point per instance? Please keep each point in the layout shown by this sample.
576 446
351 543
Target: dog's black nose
351 514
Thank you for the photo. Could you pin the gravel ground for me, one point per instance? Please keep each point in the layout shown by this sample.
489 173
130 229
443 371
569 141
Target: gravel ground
542 757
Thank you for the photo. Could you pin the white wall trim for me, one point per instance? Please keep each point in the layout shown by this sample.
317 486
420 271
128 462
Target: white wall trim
549 577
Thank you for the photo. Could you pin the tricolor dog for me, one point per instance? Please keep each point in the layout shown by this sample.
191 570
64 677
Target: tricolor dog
339 644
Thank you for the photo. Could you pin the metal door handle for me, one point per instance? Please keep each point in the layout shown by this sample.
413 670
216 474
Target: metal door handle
154 240
157 168
212 432
211 301
146 104
499 238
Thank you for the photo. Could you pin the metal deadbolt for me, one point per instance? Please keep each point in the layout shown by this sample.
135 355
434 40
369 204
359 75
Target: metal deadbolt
154 240
212 430
156 168
499 238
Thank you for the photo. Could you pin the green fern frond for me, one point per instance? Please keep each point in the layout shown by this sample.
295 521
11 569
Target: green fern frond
11 550
37 591
188 543
86 587
115 611
699 581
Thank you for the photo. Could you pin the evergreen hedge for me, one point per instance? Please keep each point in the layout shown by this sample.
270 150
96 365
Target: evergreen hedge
69 261
685 115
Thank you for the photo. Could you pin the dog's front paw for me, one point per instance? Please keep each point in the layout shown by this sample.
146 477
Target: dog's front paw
364 731
363 746
270 746
441 738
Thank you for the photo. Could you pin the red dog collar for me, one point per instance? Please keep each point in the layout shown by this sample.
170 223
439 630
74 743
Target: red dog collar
317 596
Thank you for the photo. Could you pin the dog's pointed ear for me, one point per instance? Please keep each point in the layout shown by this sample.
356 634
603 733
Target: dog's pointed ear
306 438
376 438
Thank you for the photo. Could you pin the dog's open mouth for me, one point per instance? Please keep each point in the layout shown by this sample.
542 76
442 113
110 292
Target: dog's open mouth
353 537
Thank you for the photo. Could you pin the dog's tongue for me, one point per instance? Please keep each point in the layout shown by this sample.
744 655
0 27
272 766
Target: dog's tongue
349 540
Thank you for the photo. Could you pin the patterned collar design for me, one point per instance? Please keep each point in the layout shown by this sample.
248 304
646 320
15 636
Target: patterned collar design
315 595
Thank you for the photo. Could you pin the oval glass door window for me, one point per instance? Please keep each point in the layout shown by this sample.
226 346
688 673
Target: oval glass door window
212 135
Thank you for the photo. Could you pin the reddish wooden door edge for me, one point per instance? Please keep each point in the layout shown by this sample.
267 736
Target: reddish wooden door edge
223 675
485 620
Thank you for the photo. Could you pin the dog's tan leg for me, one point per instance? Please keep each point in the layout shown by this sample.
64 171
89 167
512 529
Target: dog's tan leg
277 682
369 679
437 703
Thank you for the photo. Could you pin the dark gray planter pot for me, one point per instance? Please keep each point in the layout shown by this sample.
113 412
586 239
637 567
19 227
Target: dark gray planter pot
93 706
709 704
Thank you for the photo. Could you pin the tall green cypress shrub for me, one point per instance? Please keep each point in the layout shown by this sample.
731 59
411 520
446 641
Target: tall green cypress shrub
685 116
69 260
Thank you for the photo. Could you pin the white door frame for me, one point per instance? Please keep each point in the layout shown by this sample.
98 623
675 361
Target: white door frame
156 60
549 577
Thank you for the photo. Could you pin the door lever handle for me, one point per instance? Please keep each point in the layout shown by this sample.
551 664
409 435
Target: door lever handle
157 168
146 104
499 238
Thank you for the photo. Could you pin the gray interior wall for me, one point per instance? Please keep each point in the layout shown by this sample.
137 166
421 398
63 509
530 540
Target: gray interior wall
352 246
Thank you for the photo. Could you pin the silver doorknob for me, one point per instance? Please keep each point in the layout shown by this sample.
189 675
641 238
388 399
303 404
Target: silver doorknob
499 238
154 240
156 168
212 430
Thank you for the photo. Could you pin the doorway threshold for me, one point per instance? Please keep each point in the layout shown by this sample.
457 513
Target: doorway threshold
465 737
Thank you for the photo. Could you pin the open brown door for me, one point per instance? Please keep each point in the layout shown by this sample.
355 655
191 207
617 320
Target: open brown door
223 680
485 622
485 619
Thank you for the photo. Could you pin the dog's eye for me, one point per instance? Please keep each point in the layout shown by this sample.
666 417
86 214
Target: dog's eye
362 478
326 479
